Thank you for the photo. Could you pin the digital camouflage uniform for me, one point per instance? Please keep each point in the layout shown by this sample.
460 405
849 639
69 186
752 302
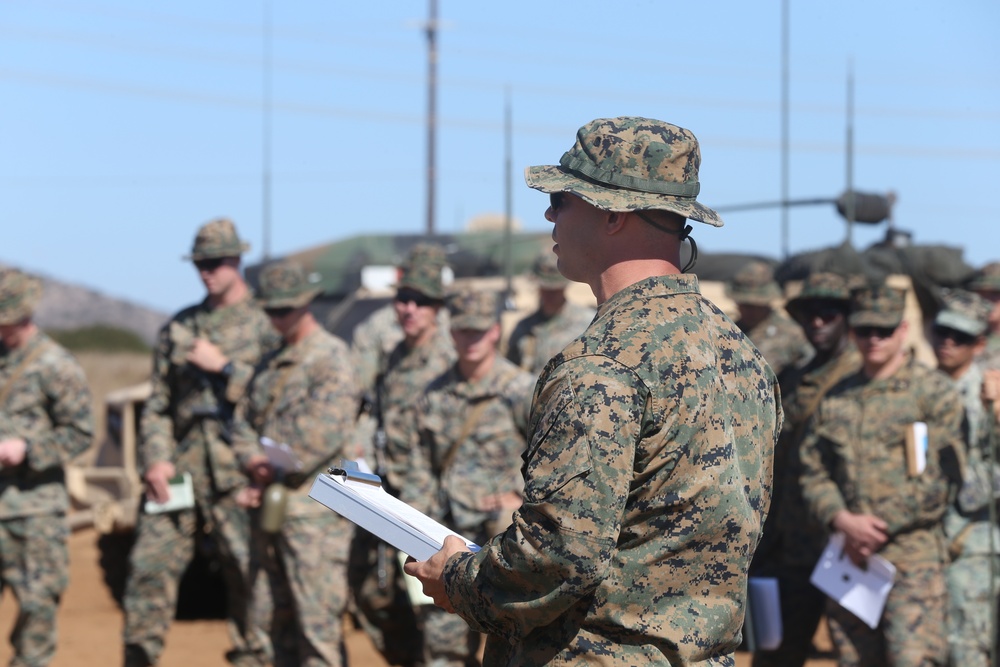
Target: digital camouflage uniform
792 543
45 401
778 338
987 281
304 395
185 422
538 337
854 459
967 522
472 435
383 605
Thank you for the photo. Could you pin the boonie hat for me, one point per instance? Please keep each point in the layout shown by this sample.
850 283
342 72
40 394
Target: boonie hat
630 163
964 311
545 270
877 306
474 309
284 284
820 286
754 284
217 238
19 294
987 279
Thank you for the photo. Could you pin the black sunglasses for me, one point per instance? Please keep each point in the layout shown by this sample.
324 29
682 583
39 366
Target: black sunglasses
416 298
877 332
209 264
556 199
957 337
278 312
824 312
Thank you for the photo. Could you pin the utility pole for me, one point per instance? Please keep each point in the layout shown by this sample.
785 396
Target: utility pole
784 127
508 215
266 136
431 31
850 207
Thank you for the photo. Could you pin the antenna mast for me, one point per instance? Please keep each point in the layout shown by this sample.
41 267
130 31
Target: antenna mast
431 31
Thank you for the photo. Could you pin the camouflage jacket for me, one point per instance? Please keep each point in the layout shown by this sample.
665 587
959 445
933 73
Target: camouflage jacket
990 358
647 480
305 396
854 457
781 341
188 412
374 339
49 407
537 338
488 460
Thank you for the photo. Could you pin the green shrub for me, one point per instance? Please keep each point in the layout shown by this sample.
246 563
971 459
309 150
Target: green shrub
100 337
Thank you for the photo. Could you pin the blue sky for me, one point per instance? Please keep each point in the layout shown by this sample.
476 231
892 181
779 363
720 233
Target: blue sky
125 125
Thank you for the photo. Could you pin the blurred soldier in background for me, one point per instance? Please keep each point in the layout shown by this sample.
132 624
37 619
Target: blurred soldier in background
778 338
425 352
45 421
202 363
792 543
958 336
304 395
986 284
544 333
470 428
854 480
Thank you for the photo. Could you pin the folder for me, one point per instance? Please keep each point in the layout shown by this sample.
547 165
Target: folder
916 448
181 496
861 591
359 497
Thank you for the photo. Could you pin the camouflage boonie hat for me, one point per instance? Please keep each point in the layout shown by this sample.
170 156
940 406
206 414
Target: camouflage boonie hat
546 272
754 285
964 311
284 284
630 164
474 309
987 279
19 294
820 286
877 306
217 238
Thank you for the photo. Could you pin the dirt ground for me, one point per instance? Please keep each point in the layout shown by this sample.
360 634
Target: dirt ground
90 625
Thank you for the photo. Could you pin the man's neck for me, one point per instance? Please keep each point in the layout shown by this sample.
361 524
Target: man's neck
888 369
420 339
306 326
237 292
957 373
619 276
475 371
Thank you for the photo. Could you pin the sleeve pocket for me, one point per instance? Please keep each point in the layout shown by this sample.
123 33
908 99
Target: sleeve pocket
559 449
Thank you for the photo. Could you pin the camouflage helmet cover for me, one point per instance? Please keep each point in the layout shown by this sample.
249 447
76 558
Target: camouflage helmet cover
217 238
284 284
545 271
964 311
754 284
474 309
877 306
19 294
630 164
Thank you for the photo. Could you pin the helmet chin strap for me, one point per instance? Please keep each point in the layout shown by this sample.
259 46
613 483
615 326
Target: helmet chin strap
682 234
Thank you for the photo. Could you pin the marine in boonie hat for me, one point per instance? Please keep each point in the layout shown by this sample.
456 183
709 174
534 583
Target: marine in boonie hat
754 284
217 238
877 306
820 286
284 284
474 309
964 311
545 271
630 164
19 295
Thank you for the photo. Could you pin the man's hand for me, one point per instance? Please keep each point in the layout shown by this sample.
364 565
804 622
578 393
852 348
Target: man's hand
12 451
206 355
991 390
249 497
865 534
260 470
157 478
496 502
431 571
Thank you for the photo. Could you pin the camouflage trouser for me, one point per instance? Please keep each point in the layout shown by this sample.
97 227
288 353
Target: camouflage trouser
448 640
801 609
912 630
970 608
308 588
34 564
164 547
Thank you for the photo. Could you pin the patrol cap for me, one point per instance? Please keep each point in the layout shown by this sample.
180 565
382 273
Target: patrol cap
545 270
284 284
19 294
422 275
426 252
964 311
877 306
754 284
630 164
217 238
987 279
820 286
474 309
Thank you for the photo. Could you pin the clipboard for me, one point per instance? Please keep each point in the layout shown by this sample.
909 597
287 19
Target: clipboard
359 497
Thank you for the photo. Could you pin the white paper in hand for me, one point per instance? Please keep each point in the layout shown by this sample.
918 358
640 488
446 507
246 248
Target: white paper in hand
861 591
280 455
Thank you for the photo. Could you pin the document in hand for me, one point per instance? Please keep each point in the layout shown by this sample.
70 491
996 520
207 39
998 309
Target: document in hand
360 498
861 591
181 496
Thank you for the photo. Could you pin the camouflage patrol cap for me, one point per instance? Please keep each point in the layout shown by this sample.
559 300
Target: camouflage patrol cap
474 309
284 284
987 279
217 238
821 286
754 284
426 252
19 294
630 164
546 272
964 311
877 306
423 275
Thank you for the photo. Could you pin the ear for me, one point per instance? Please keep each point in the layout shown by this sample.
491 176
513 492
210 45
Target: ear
615 222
